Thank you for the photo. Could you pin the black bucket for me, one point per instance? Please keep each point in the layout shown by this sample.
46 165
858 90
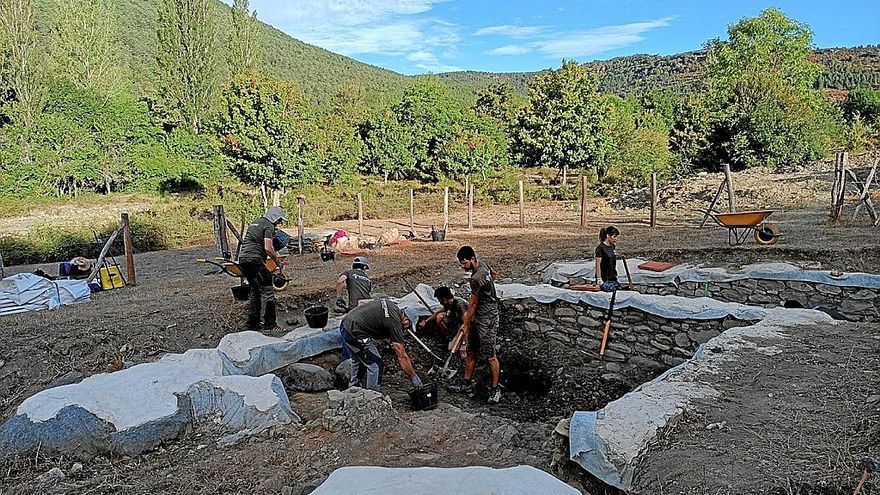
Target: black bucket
241 292
438 235
424 398
316 316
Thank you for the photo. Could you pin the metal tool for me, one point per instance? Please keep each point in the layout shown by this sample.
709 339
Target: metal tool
445 371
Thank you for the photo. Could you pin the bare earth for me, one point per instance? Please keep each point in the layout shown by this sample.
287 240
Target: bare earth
806 438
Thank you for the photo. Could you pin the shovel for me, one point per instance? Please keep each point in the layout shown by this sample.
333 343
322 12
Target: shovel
445 371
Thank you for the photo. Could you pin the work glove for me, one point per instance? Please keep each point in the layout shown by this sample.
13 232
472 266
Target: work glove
340 303
416 381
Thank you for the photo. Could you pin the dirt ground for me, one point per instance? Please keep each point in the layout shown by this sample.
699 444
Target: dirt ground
176 307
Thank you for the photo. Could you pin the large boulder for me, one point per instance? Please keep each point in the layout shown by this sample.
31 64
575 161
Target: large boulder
343 371
303 377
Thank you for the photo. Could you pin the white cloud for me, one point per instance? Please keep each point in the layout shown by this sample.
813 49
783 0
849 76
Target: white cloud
510 30
429 62
573 44
510 50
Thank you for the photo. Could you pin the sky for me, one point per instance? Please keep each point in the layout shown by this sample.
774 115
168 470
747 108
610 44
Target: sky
431 36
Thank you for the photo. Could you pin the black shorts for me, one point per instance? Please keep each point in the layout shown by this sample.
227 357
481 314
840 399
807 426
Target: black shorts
482 337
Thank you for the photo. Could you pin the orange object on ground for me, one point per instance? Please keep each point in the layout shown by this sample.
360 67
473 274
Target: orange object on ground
655 266
352 252
586 287
401 243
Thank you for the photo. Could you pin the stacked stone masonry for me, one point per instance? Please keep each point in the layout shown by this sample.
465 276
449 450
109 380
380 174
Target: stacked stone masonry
640 345
855 303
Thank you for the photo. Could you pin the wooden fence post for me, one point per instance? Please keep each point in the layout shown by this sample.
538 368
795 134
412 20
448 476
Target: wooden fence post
446 209
583 201
412 211
301 204
360 215
522 212
653 200
276 198
731 200
220 238
471 207
129 250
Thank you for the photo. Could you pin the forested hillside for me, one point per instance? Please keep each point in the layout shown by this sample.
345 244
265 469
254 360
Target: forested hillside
844 68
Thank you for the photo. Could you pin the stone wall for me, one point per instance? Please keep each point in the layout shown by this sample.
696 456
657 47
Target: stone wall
854 303
640 345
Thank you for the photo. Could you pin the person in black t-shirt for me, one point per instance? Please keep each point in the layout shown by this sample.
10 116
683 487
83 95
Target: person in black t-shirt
606 259
256 246
448 319
356 283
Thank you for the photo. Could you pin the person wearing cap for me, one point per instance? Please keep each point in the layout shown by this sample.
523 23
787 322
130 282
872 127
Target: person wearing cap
256 247
356 283
450 317
379 319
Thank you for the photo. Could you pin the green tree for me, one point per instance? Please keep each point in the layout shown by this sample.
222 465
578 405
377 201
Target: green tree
475 145
83 44
188 62
499 101
387 146
24 64
244 47
265 131
760 92
563 125
864 103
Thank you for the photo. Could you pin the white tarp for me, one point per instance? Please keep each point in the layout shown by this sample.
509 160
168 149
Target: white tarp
473 480
563 272
28 292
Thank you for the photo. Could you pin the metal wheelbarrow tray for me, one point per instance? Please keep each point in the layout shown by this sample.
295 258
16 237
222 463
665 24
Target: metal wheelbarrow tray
742 223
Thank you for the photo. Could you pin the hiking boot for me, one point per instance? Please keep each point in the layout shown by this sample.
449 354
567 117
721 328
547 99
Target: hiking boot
494 395
460 386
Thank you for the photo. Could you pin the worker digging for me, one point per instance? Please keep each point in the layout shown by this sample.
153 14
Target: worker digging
379 319
446 321
357 285
479 327
256 247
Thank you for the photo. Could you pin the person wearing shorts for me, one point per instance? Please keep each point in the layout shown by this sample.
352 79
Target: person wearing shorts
479 327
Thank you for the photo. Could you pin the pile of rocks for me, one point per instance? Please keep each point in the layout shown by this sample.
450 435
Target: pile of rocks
356 408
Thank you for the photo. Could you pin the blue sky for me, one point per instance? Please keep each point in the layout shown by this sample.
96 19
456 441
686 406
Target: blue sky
420 36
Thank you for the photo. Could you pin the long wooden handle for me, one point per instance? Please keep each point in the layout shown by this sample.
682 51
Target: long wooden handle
455 342
605 337
628 277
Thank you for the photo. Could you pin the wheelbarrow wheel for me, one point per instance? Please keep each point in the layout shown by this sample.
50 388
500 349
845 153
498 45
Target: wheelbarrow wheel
766 234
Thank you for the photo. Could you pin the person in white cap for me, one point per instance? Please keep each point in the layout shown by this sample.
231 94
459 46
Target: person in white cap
356 283
256 247
378 319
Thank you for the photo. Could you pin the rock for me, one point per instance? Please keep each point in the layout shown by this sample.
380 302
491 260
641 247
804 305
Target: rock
593 332
701 337
531 326
614 356
52 474
732 323
343 371
287 490
668 329
586 321
646 349
646 364
853 306
874 399
622 348
304 377
641 329
612 367
799 286
77 467
613 377
863 295
561 337
671 360
2 362
831 290
658 345
759 298
68 378
682 352
354 408
682 340
564 311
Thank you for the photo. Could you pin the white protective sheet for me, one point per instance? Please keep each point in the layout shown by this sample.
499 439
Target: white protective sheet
473 480
28 292
563 272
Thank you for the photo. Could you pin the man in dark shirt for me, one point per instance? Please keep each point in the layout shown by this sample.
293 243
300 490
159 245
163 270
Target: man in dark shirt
479 327
448 319
371 321
256 246
357 284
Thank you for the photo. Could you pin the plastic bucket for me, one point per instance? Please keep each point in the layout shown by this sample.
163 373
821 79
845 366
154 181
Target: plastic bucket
316 316
241 292
280 240
424 398
438 235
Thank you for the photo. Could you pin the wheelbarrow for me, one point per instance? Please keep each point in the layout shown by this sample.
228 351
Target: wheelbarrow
233 269
742 223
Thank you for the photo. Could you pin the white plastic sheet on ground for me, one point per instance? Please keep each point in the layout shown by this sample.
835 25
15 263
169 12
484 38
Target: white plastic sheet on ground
28 292
607 443
474 480
563 272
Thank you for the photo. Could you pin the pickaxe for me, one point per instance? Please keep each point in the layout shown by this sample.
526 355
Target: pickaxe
445 371
868 465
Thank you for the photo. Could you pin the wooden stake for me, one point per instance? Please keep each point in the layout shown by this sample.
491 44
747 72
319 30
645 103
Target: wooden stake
276 198
360 215
731 201
471 207
220 238
446 209
129 250
301 204
412 211
522 212
583 201
653 200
